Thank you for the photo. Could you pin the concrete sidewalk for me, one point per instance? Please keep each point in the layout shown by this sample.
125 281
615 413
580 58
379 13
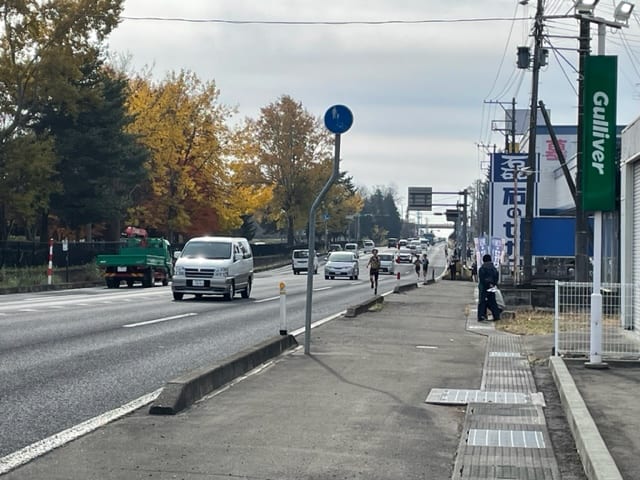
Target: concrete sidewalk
354 408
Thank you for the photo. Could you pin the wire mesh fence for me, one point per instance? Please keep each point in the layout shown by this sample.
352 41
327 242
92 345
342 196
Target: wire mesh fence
620 320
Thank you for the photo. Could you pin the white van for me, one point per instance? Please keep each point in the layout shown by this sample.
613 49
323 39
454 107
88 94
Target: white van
300 261
352 247
368 246
214 266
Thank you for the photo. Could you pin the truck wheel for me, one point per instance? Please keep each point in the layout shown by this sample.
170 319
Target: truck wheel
231 293
112 283
177 296
129 283
247 291
165 281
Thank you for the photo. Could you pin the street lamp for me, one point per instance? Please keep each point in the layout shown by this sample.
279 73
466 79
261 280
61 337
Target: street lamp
525 172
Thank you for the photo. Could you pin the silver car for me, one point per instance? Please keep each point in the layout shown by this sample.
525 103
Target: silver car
387 262
341 264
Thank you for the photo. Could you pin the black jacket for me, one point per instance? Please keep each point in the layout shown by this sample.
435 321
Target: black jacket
487 276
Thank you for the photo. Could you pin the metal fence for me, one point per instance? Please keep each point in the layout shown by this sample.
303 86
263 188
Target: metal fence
620 320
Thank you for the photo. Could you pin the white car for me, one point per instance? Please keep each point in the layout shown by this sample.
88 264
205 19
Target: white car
353 248
300 261
387 262
368 246
341 264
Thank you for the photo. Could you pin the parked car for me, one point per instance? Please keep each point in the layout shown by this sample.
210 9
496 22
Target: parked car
341 264
353 248
404 255
300 261
387 262
368 246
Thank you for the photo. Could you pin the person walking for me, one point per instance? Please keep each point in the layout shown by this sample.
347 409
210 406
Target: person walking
453 267
374 269
487 279
418 264
425 266
474 271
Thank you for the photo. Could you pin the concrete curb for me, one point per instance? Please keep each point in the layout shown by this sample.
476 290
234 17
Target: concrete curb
364 306
596 459
403 287
183 391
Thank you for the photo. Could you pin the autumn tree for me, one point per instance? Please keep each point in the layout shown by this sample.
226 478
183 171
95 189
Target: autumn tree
294 151
196 186
43 47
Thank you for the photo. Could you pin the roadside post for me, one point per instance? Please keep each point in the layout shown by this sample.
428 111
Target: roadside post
338 119
50 265
283 309
65 249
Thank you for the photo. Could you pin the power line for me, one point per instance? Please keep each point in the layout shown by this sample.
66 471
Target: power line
322 22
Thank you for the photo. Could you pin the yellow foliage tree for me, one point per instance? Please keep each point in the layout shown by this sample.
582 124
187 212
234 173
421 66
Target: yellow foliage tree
194 185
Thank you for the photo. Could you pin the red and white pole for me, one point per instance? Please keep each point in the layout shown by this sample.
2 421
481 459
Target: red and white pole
50 267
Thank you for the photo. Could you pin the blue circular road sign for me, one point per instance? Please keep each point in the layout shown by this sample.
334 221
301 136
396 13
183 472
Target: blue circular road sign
338 119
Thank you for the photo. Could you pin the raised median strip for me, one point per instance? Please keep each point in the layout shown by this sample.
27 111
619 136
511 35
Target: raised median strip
403 287
596 458
183 391
363 307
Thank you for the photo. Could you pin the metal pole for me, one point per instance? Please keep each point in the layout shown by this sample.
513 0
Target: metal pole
595 343
531 158
581 234
335 174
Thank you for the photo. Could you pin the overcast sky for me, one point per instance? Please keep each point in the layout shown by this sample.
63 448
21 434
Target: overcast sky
419 92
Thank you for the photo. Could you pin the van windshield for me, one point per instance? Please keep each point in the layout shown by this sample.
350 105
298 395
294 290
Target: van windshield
208 250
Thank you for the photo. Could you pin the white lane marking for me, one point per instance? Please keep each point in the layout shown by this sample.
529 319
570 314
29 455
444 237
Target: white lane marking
158 320
270 299
28 310
321 288
35 450
426 347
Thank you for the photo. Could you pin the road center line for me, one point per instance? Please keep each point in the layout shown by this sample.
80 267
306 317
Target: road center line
158 320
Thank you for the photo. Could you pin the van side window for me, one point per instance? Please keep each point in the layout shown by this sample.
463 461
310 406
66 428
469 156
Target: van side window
246 252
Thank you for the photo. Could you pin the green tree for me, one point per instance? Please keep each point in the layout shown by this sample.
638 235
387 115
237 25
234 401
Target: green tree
100 164
380 214
43 47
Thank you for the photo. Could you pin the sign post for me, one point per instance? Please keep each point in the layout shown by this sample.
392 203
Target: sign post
598 172
338 119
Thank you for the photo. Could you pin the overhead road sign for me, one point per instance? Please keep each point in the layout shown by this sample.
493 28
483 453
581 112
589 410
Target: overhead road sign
420 198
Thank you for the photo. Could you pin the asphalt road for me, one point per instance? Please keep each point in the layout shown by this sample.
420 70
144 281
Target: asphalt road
69 356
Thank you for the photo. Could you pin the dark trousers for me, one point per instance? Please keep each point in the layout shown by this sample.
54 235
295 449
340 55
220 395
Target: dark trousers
487 300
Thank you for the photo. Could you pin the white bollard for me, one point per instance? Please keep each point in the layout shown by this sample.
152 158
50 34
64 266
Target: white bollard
283 309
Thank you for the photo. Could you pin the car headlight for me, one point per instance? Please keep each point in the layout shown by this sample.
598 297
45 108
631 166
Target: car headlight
179 270
221 272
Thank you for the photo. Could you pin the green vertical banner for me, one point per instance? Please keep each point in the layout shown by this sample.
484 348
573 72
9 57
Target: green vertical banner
599 133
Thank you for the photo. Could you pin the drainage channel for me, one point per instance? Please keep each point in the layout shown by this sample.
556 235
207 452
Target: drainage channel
504 434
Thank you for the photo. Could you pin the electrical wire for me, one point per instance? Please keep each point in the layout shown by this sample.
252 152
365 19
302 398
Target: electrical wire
319 22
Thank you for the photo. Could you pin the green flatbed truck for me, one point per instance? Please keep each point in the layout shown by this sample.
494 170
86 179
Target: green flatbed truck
141 259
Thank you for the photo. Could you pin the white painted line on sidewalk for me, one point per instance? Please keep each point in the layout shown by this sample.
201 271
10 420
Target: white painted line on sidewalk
35 450
158 320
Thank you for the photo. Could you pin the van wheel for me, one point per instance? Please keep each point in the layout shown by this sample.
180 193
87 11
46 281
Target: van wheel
247 291
177 296
231 293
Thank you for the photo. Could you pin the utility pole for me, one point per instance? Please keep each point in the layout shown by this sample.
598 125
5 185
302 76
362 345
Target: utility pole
582 226
531 158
